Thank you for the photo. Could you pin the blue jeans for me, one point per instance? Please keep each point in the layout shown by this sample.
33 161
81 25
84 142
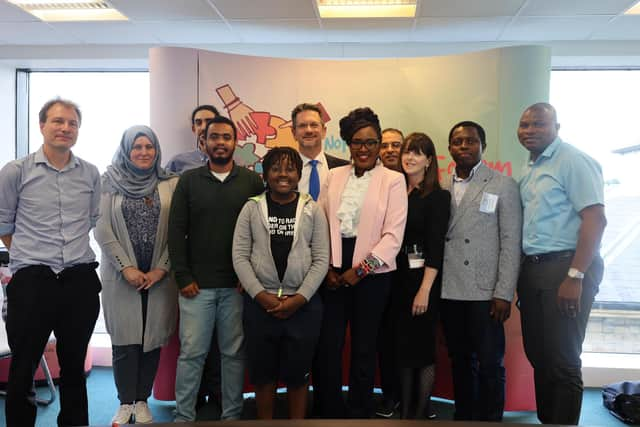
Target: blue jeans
220 308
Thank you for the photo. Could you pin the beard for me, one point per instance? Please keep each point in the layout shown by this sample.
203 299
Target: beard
219 159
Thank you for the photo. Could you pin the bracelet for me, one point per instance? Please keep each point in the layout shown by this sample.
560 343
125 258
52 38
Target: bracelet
367 266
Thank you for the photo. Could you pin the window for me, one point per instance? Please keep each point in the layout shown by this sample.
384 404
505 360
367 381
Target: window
597 111
110 103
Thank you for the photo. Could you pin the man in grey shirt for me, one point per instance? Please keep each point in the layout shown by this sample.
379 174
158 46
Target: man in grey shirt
48 204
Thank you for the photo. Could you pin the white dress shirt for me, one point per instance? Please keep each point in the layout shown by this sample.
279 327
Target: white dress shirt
323 171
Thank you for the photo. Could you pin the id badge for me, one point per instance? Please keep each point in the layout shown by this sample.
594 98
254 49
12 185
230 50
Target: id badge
488 203
415 256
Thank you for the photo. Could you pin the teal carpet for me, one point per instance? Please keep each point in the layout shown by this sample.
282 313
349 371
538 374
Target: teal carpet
103 404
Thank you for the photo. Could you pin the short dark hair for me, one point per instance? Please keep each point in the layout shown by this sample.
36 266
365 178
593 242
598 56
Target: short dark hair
420 143
207 107
470 124
544 107
42 115
357 119
304 107
398 131
221 119
276 155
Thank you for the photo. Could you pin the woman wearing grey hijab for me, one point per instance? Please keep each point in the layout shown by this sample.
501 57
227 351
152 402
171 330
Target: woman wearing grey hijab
139 297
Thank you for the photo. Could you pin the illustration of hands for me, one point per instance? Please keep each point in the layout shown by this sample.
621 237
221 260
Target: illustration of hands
239 112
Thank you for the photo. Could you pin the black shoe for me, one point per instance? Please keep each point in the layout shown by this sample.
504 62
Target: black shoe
387 408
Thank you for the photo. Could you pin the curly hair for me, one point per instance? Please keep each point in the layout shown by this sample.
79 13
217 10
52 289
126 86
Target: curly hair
357 119
278 154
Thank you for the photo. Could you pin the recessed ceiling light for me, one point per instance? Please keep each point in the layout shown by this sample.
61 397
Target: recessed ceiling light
367 8
634 10
72 10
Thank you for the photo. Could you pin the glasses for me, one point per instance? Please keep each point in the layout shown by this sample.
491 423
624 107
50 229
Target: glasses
312 125
224 136
356 144
469 141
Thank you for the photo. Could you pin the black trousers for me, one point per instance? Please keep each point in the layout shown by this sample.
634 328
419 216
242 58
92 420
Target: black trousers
40 301
476 346
389 372
552 341
134 372
360 306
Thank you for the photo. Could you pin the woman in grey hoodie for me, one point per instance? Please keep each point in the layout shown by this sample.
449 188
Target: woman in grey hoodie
281 256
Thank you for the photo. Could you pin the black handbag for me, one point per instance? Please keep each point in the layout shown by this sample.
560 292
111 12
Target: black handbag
623 400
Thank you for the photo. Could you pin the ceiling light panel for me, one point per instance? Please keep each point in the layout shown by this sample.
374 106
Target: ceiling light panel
74 10
367 8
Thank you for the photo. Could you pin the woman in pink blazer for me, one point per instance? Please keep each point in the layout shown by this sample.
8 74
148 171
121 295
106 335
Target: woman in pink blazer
366 205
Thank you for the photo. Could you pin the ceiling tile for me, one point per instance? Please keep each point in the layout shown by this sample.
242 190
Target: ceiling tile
12 13
621 28
279 31
459 29
108 32
466 8
370 30
575 7
26 33
271 9
528 28
191 33
171 10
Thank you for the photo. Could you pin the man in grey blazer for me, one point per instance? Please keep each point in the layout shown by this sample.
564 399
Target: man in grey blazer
480 272
309 131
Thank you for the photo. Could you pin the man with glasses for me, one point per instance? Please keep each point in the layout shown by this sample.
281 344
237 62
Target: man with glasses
200 117
390 149
480 272
205 205
309 131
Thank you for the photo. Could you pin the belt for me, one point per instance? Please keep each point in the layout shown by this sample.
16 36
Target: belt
549 256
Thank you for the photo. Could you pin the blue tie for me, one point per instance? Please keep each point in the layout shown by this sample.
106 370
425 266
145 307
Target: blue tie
314 180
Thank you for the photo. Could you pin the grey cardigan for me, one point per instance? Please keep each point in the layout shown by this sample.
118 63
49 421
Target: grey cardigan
120 301
308 259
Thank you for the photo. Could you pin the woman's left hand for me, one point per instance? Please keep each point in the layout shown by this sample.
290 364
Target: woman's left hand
349 277
152 277
420 302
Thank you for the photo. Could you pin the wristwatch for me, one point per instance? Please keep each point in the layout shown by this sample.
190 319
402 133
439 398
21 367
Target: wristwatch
574 273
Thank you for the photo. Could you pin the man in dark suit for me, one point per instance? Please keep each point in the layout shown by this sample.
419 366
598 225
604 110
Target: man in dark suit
480 271
309 131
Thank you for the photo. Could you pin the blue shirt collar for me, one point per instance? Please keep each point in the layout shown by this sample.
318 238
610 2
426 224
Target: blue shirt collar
41 158
549 151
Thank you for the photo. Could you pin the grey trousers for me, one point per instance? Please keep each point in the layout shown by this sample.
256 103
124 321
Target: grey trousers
134 372
553 341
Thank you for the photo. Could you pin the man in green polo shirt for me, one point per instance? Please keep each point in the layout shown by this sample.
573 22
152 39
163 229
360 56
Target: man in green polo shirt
204 210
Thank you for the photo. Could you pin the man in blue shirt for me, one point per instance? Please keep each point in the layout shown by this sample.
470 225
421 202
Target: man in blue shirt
200 117
562 193
49 202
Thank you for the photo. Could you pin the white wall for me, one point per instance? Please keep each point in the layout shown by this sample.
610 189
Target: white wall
7 113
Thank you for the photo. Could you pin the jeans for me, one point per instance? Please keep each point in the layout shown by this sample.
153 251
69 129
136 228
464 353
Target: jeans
220 308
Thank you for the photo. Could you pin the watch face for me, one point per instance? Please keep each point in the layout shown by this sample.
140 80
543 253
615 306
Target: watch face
574 273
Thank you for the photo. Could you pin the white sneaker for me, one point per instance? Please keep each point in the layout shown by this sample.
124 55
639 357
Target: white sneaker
124 414
143 414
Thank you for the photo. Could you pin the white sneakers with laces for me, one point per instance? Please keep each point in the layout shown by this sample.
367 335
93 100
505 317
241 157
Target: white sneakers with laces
124 413
142 413
139 411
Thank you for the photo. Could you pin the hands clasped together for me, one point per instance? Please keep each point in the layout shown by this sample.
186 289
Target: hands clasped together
280 307
141 280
